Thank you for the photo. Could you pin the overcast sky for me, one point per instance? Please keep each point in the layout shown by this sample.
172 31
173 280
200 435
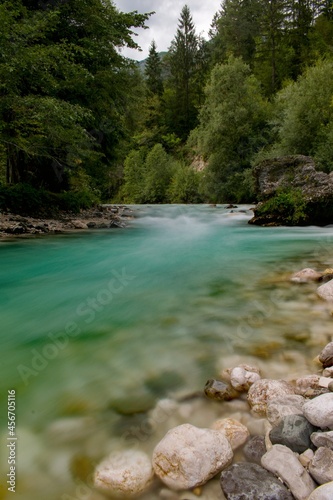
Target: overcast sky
163 24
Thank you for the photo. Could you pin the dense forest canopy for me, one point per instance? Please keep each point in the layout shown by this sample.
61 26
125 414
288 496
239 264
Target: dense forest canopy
78 117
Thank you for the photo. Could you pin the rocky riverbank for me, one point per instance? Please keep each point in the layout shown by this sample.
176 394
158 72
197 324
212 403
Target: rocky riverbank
100 217
277 443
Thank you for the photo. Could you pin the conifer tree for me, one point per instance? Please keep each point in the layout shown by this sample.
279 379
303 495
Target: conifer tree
153 71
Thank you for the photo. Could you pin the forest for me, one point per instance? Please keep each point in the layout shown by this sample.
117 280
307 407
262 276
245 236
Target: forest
81 124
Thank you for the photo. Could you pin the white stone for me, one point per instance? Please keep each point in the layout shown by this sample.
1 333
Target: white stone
69 429
79 224
321 466
324 492
319 411
188 456
235 432
243 376
284 463
322 439
306 457
124 474
305 275
281 407
328 372
325 291
264 391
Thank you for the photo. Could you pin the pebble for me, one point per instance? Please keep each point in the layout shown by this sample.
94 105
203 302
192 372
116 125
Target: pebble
326 291
262 392
281 407
306 275
216 389
326 355
124 474
321 466
323 439
236 433
324 492
284 463
306 457
243 481
319 411
309 386
293 431
243 376
328 372
188 456
254 449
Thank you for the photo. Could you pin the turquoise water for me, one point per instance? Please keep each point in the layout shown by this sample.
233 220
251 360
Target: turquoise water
94 320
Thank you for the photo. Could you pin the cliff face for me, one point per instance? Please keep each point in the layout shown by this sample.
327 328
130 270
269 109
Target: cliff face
291 185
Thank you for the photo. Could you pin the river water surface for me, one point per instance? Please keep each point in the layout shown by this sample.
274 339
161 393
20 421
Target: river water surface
97 327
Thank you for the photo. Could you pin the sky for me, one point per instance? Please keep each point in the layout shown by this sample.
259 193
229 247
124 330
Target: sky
163 24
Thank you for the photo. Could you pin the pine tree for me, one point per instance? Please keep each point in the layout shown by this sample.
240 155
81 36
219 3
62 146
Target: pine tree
153 71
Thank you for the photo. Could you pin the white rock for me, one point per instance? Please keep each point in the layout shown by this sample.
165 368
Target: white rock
67 430
281 407
243 376
305 275
306 457
124 474
188 456
319 411
322 439
235 432
264 391
328 372
78 224
284 463
325 291
321 466
324 492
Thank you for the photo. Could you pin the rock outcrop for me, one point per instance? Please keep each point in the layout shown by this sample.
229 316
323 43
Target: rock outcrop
295 174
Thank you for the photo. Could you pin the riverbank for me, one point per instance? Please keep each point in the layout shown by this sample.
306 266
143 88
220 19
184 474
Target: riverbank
100 217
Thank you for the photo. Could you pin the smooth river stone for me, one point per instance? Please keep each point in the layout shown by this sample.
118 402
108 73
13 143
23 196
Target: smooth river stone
324 492
293 431
264 391
281 407
188 457
326 355
254 449
306 275
284 463
323 439
216 389
243 376
246 481
236 433
326 291
319 411
124 474
321 466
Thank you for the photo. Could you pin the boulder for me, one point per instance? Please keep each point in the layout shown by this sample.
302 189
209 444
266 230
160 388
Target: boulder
236 433
264 391
293 431
124 474
321 466
243 481
284 463
299 173
319 411
188 456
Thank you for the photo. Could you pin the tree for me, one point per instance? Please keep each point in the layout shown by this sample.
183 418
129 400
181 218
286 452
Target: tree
183 64
153 71
232 124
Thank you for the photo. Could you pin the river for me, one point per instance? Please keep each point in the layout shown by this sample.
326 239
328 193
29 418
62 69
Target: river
96 327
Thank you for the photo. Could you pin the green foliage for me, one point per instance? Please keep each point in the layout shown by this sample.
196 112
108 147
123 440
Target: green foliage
304 116
185 185
289 204
153 71
233 124
158 171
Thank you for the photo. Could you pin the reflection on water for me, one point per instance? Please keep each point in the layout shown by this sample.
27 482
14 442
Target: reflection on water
98 327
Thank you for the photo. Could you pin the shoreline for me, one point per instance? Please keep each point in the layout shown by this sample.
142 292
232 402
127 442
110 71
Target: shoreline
106 216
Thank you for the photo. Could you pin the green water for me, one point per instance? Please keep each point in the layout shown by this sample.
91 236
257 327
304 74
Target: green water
94 320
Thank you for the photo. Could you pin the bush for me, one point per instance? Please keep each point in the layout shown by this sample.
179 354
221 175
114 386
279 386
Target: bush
288 205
